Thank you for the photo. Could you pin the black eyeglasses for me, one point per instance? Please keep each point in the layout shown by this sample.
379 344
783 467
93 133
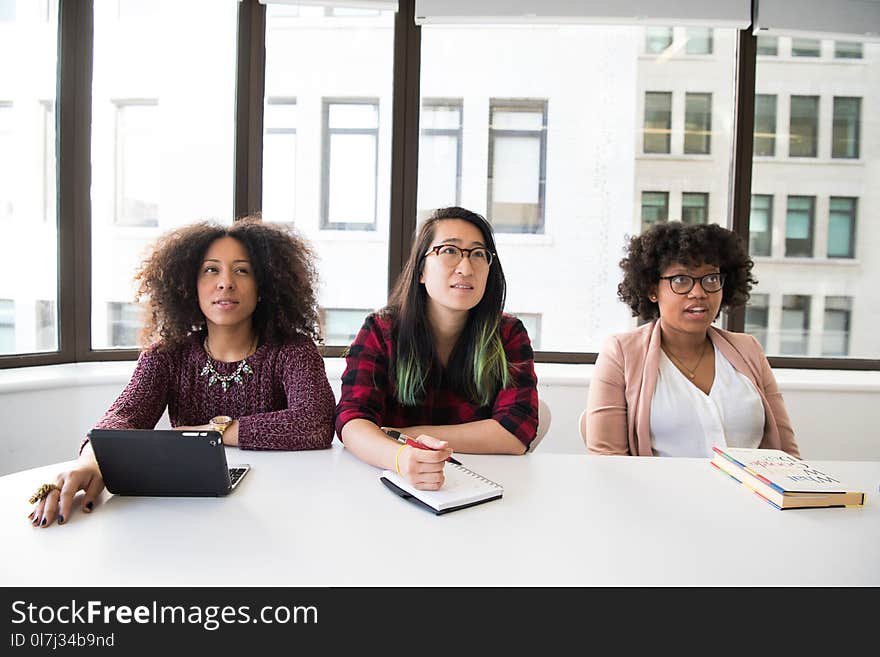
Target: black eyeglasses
682 283
450 255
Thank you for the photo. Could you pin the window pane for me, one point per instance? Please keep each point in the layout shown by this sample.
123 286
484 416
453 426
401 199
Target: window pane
847 50
697 123
757 318
655 208
694 208
806 47
845 132
575 165
835 328
163 127
440 148
768 46
330 151
795 325
29 273
765 125
699 41
824 195
658 121
341 325
761 225
841 227
657 39
124 324
804 126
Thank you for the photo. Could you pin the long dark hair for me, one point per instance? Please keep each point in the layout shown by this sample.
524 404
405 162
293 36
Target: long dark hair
478 366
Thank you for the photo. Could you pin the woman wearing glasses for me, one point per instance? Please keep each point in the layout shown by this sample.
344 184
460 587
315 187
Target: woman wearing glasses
440 363
677 385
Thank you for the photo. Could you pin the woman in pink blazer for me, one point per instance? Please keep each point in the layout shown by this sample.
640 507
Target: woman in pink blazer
677 385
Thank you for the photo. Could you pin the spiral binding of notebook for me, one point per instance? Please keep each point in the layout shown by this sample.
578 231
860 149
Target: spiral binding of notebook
474 474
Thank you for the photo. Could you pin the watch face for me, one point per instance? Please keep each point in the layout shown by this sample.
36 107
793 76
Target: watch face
221 420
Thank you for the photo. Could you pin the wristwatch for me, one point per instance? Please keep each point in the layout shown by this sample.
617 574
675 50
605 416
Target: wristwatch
220 423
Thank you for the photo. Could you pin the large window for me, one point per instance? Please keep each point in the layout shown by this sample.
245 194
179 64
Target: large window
841 227
799 226
804 126
845 131
279 160
517 165
162 139
761 225
658 121
655 208
765 125
835 328
698 123
795 331
350 156
440 147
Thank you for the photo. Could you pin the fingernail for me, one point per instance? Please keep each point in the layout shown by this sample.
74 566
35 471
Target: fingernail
43 523
90 505
60 520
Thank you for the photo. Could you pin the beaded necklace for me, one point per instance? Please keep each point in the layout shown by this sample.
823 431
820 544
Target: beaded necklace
227 379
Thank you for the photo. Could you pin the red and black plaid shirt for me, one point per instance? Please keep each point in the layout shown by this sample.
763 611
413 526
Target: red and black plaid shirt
367 392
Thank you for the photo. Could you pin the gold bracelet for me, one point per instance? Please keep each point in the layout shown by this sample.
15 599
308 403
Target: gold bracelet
396 459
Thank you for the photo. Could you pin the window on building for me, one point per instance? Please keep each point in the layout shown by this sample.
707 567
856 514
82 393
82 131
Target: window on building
835 327
845 130
46 325
803 126
7 160
655 208
517 165
657 39
279 159
7 326
340 326
694 208
124 324
795 332
768 46
806 47
757 316
699 41
761 225
697 123
532 323
351 152
847 50
842 227
440 147
765 125
799 226
658 121
137 163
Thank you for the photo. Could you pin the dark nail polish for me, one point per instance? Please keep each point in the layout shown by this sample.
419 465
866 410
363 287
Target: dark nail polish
43 523
90 505
60 520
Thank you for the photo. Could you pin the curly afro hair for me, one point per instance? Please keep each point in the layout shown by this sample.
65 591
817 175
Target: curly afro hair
648 254
284 267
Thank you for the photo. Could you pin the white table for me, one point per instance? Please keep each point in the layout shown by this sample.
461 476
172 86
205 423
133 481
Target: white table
323 519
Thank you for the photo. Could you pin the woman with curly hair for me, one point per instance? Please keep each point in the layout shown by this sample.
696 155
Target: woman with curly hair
229 345
441 363
677 385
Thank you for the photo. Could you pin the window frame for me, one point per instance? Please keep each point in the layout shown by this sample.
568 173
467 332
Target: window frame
73 120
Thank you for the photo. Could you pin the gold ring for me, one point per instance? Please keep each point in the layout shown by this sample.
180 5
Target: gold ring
42 493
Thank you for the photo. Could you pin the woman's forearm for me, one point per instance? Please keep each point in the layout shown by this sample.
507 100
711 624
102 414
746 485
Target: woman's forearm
480 437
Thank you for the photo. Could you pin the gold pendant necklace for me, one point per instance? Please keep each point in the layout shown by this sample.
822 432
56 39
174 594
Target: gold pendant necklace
691 373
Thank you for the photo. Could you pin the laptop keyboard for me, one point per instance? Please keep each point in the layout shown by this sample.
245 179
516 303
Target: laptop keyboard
235 474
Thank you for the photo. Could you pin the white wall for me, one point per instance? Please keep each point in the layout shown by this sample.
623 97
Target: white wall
46 410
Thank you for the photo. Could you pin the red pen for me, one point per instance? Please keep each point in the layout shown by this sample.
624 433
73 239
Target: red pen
418 445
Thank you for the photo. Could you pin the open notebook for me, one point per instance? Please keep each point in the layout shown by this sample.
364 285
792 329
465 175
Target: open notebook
462 488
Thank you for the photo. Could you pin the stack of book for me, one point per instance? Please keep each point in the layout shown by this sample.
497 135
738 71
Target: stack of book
783 480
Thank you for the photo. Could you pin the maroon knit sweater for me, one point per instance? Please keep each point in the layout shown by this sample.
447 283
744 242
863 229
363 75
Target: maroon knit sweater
286 403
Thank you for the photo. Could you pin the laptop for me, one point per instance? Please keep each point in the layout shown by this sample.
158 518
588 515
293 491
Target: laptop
164 462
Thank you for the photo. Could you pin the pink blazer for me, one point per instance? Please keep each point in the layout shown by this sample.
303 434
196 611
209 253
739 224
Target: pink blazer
619 403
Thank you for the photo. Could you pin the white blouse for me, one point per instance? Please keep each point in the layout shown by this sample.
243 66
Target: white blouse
685 421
